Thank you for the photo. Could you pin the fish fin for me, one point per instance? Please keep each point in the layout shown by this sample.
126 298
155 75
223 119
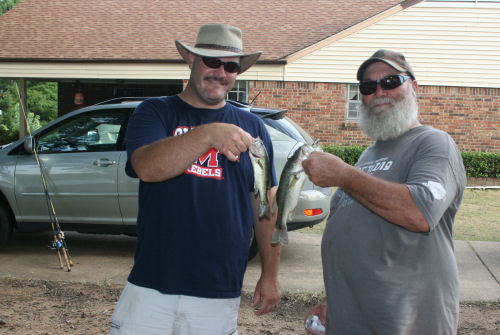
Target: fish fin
264 210
296 171
293 181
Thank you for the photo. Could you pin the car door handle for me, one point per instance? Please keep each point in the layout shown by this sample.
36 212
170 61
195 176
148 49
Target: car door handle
104 162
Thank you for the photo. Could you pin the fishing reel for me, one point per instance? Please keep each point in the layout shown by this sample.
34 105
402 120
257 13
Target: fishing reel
59 244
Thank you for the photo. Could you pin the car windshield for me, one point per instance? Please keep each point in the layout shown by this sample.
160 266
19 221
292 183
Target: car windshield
290 128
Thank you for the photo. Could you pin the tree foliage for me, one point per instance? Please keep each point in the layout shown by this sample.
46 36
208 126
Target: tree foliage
42 107
42 99
6 5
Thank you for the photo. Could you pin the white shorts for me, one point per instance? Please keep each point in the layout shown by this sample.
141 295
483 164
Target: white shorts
146 311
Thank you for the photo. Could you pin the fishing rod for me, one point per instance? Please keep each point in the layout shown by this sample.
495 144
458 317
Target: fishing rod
251 102
59 241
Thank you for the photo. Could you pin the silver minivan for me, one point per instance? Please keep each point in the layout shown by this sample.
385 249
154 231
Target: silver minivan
83 157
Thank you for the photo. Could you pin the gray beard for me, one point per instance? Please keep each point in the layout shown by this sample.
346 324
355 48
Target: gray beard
388 123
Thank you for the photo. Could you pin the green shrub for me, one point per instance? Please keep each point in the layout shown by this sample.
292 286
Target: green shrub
477 164
349 154
482 164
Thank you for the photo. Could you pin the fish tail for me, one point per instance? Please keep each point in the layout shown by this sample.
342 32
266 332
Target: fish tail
275 205
276 236
283 237
264 210
279 236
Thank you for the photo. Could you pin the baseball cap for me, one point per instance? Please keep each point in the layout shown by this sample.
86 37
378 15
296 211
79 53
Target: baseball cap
392 58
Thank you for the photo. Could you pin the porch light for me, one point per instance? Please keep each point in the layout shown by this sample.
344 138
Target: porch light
79 98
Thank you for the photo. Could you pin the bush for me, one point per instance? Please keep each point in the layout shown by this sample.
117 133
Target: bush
349 154
482 164
477 164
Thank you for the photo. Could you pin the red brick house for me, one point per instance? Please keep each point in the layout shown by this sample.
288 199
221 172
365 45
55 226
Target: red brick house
311 51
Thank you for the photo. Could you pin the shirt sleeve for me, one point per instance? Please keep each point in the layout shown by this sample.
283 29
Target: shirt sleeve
434 178
144 127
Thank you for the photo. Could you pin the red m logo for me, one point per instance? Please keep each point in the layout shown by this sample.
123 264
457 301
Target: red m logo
212 156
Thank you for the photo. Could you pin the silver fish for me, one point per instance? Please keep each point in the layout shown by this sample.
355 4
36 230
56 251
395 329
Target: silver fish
262 175
291 182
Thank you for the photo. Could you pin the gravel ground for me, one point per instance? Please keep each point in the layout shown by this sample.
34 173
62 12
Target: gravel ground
29 307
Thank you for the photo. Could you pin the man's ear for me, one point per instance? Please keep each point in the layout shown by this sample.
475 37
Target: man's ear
414 83
191 59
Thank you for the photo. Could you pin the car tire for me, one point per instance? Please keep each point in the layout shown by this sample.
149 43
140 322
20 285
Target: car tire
6 226
254 247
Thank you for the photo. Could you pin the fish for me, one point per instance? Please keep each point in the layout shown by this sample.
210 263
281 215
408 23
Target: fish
262 175
290 185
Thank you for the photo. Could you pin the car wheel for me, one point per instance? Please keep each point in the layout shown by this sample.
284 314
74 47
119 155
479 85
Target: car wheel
6 226
254 248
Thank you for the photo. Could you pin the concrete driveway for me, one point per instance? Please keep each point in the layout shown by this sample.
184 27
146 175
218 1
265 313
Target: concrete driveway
108 259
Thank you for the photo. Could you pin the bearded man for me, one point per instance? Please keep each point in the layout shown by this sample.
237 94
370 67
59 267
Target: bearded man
387 249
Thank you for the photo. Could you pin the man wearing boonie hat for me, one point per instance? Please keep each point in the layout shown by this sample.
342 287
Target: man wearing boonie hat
387 249
196 203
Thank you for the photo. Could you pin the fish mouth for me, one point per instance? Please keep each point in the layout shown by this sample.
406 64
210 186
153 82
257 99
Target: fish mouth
254 152
256 155
254 148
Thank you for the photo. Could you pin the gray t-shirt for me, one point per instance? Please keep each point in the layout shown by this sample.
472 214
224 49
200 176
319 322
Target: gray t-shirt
381 278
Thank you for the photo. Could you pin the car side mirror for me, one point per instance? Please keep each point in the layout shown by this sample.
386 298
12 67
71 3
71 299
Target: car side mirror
29 144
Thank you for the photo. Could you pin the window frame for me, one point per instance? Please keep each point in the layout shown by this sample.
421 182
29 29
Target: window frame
239 91
352 105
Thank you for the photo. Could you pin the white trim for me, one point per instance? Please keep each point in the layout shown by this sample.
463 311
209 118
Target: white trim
131 71
462 4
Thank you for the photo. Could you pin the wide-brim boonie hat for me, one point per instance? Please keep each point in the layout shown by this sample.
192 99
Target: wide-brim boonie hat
219 40
394 59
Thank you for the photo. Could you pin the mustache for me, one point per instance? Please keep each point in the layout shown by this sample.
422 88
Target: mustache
222 80
383 100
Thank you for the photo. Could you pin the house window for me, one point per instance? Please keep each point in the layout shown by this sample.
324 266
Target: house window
239 92
353 102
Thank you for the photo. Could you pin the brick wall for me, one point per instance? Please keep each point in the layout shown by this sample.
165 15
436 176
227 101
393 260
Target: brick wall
470 115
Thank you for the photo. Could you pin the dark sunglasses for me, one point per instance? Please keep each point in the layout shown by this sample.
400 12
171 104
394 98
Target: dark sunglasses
387 83
215 63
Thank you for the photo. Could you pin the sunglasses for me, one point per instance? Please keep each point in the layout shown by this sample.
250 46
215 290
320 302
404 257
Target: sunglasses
387 83
215 63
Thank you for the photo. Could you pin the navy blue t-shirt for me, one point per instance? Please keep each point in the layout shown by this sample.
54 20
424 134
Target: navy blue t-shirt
193 231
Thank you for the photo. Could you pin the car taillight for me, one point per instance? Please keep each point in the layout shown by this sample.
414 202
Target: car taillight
313 212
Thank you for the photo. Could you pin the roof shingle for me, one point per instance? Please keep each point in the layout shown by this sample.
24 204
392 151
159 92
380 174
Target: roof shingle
115 30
